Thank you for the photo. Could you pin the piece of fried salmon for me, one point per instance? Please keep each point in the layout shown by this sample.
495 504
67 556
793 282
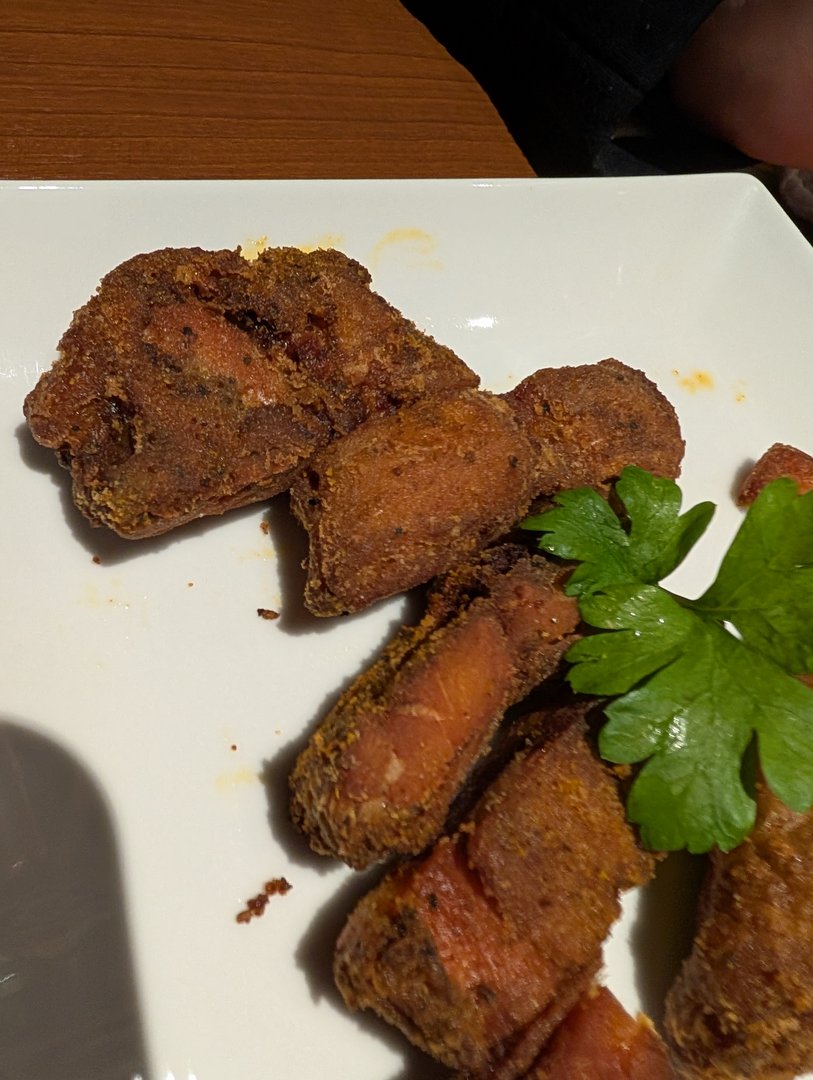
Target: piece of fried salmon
778 460
406 496
196 381
742 1005
588 422
380 773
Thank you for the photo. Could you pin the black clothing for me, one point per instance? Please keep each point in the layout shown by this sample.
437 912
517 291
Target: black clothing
579 83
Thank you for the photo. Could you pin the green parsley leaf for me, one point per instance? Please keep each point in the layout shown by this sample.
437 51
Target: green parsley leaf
765 583
584 528
691 696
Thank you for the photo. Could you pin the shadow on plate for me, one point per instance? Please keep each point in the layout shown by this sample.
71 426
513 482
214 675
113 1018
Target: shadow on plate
291 544
103 543
664 928
67 993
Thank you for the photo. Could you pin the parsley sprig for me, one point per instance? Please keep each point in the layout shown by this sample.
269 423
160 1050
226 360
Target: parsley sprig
695 682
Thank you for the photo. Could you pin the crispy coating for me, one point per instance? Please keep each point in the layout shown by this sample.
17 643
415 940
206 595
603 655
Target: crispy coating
477 951
195 381
742 1006
778 460
599 1040
404 497
380 773
588 422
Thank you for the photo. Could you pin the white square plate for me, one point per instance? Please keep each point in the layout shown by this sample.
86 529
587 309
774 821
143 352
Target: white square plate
148 717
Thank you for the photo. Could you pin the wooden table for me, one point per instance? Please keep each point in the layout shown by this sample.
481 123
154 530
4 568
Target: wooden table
293 88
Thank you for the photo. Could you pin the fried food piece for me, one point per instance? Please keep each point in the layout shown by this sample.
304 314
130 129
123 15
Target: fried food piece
380 773
742 1005
588 422
477 951
778 460
404 497
599 1040
195 381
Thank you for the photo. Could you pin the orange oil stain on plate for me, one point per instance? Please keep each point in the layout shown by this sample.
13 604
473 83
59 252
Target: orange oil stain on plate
326 240
693 381
228 781
267 554
251 249
106 598
418 245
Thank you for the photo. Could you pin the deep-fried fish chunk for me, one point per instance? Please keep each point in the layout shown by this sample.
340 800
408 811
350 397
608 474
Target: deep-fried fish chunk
404 497
742 1006
588 422
479 950
196 381
379 775
778 460
599 1040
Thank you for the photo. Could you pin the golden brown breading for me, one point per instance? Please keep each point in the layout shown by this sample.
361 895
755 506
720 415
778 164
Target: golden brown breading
599 1040
404 497
195 381
742 1006
380 773
588 422
479 950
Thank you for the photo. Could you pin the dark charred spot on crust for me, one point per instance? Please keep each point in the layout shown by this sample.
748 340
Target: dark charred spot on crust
313 481
160 359
203 292
432 901
263 329
120 418
470 456
188 332
202 391
398 531
247 361
485 993
513 461
316 319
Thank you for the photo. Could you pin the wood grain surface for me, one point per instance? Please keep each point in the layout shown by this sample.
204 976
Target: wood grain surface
299 88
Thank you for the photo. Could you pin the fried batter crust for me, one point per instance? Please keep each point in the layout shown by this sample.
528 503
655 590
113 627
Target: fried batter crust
404 497
742 1006
479 950
588 422
380 773
196 381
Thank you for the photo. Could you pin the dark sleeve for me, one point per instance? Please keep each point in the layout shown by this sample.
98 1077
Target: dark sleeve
579 83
